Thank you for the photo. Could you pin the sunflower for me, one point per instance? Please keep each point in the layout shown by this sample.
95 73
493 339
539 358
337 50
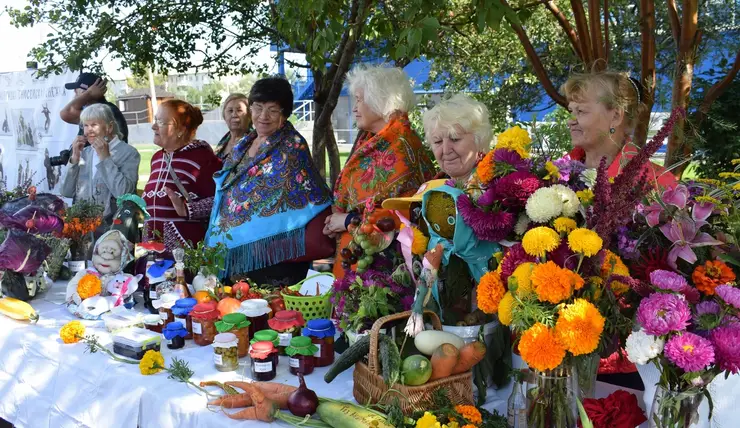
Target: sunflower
151 363
554 284
72 332
522 278
540 240
579 327
585 241
88 286
710 275
564 224
490 292
505 309
539 348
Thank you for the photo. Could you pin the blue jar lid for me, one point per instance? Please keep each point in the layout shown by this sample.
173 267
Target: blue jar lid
184 306
174 329
320 328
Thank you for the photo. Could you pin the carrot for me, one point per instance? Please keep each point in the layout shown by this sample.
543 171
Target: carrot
276 392
470 355
444 360
227 389
264 409
232 401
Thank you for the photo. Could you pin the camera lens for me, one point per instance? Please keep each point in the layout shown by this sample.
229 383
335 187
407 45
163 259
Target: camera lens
60 160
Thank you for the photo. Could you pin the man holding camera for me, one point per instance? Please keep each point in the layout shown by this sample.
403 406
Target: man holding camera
90 89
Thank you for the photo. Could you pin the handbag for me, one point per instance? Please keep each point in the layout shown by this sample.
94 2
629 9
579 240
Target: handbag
318 246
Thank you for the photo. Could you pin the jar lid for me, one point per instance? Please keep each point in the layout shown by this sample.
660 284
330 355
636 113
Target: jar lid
262 349
206 311
174 329
301 345
166 300
184 306
284 320
266 336
152 319
225 340
231 321
255 307
320 328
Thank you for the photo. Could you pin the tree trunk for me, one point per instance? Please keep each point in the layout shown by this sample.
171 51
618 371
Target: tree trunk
323 139
647 72
318 145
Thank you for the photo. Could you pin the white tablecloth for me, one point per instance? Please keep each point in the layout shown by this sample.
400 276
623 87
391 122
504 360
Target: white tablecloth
46 383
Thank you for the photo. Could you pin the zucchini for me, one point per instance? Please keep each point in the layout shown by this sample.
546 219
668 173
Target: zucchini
390 359
18 309
348 358
346 415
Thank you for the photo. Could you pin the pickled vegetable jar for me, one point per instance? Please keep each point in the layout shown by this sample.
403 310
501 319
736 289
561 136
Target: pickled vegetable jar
263 361
321 331
257 311
225 352
204 317
301 351
238 324
288 325
181 311
174 335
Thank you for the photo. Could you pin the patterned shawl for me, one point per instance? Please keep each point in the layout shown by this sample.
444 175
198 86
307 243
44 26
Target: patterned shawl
263 204
389 164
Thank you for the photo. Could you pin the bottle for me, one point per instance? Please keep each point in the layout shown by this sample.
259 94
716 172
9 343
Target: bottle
181 286
517 404
150 291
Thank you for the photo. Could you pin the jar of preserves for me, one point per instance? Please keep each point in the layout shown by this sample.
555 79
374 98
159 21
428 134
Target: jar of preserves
174 335
267 336
204 317
321 331
181 311
301 351
238 324
164 305
263 361
257 311
225 352
288 325
153 323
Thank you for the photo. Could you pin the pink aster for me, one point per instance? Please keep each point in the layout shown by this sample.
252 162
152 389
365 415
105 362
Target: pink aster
690 352
729 295
671 281
492 225
511 158
514 189
661 313
513 258
726 341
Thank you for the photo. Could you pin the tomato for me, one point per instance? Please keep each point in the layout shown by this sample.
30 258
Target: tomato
367 229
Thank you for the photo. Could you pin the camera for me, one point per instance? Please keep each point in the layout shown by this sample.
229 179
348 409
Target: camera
62 159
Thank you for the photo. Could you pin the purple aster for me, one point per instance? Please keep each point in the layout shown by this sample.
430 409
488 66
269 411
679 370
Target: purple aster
707 308
670 281
511 158
514 189
729 294
488 226
627 246
661 313
690 352
488 197
513 258
569 167
706 316
726 341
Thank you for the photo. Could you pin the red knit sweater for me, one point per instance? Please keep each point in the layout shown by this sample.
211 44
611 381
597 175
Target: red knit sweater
194 166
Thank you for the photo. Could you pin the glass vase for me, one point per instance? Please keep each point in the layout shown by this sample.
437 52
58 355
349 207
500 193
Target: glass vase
553 398
675 409
587 367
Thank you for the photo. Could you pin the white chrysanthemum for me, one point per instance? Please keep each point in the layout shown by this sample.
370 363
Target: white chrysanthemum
522 223
642 347
588 177
569 198
544 205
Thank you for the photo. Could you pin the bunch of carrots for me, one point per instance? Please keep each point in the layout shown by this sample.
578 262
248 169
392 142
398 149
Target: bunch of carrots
447 360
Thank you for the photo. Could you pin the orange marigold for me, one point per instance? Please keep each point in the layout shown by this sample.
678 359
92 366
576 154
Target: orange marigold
490 292
89 286
539 348
554 284
579 327
486 168
613 264
710 275
470 413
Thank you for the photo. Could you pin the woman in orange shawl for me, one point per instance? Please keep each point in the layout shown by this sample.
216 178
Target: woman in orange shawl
388 159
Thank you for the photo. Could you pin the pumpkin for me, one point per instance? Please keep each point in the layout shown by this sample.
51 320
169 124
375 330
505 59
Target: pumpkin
202 296
228 305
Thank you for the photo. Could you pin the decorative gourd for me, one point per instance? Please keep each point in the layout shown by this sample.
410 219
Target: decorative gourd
18 309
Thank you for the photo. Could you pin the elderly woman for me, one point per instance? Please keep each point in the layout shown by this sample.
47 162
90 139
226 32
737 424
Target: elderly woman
388 159
184 167
237 118
604 108
102 167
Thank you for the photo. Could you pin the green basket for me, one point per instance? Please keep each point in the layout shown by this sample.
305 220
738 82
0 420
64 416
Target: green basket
311 307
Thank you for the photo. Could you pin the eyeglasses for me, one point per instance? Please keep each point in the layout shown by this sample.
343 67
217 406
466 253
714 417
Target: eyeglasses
271 112
160 122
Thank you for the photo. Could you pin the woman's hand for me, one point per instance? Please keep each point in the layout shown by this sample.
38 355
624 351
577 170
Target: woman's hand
101 147
334 224
77 145
177 203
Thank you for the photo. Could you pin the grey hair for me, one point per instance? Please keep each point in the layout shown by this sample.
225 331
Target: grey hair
385 89
461 110
103 113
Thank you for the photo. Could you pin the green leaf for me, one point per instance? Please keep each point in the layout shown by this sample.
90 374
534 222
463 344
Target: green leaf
585 421
414 38
729 259
494 17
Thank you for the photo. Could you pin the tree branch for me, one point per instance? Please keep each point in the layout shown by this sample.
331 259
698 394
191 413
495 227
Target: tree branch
594 19
675 23
565 25
718 89
580 17
689 24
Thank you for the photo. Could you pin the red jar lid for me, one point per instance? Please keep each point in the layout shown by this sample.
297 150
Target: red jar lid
284 320
205 311
261 349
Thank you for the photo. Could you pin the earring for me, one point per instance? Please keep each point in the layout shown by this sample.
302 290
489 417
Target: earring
612 130
180 135
106 138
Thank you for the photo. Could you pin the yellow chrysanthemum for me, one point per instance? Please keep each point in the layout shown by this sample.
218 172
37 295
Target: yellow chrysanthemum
470 413
151 363
554 284
427 421
72 332
490 292
88 286
505 308
579 327
585 241
539 348
453 424
522 278
540 240
419 245
553 173
516 139
564 224
585 196
613 264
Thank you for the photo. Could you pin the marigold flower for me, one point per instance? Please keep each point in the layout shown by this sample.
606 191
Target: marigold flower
72 332
585 241
540 240
151 363
490 292
470 413
505 309
564 224
613 265
486 168
710 275
539 348
522 277
88 286
516 139
420 243
579 327
554 284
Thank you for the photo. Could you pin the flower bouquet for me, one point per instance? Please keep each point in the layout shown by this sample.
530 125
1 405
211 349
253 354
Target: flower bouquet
81 221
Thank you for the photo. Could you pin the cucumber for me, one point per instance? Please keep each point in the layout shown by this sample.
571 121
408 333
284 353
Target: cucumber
345 415
348 358
390 360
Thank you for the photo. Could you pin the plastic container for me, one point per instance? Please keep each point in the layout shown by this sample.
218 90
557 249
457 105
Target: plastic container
263 361
121 320
134 342
288 325
153 323
181 311
238 324
204 317
301 351
321 332
225 352
267 336
257 312
174 335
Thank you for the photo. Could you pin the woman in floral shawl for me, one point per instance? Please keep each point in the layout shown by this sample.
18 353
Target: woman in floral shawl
388 159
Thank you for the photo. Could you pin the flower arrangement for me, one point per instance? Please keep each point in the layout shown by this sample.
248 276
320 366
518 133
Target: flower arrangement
81 220
89 285
440 412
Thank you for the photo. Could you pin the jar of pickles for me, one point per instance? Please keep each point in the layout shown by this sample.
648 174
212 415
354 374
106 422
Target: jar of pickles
238 324
181 311
164 304
225 354
288 325
257 311
267 336
204 317
263 361
301 351
153 323
321 331
174 335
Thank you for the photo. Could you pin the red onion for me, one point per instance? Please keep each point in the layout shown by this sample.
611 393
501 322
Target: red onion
303 401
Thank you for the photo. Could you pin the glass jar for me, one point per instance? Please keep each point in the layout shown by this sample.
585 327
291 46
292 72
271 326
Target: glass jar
204 317
238 324
225 352
263 361
321 331
257 311
301 351
165 303
268 336
181 311
153 323
174 335
288 325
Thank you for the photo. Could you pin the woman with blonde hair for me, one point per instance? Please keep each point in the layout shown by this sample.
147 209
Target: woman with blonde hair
238 120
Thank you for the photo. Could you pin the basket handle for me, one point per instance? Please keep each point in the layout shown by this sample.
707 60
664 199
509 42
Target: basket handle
372 360
314 276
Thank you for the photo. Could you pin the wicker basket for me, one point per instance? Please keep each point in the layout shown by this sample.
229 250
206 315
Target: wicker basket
311 307
370 388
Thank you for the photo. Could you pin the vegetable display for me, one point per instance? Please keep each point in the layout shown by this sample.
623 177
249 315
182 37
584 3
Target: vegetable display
303 401
429 340
354 354
17 309
345 415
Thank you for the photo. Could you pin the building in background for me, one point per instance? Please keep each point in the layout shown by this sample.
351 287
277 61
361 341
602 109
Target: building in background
136 105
